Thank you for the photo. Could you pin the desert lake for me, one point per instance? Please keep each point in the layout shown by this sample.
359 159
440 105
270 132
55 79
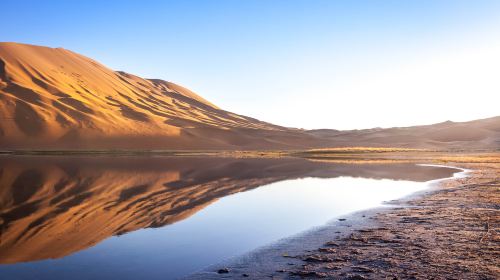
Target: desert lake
123 217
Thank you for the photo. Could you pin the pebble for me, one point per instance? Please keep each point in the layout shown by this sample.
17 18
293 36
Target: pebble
223 270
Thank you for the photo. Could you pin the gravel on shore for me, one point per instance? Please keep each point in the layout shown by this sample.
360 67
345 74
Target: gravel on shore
451 233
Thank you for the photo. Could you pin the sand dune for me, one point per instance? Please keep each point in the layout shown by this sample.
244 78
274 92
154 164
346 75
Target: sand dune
55 98
478 134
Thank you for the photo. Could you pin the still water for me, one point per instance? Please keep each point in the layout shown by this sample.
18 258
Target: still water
165 218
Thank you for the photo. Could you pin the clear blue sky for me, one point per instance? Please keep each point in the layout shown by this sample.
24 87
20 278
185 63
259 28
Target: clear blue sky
312 64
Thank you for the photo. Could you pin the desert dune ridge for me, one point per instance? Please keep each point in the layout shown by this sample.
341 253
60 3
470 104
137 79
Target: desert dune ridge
55 98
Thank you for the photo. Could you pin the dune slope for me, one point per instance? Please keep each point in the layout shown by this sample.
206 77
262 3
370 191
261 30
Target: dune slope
53 98
57 98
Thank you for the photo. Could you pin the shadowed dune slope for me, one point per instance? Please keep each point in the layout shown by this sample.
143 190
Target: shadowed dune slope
55 98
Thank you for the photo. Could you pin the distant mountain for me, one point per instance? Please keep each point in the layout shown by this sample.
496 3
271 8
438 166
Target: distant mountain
57 99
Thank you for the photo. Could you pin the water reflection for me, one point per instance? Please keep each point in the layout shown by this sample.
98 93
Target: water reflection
52 207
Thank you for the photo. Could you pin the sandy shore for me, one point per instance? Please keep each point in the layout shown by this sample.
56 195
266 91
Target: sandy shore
448 232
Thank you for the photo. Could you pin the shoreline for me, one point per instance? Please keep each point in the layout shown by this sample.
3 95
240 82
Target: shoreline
368 244
365 155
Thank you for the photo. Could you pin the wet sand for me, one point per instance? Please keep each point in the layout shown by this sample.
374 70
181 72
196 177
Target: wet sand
447 232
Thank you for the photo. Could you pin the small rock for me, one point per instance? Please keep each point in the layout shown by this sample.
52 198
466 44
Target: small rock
327 250
317 258
333 267
223 270
286 255
358 238
332 244
342 220
356 277
307 273
362 269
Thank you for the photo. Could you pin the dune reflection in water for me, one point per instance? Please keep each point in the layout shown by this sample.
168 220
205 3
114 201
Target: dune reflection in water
198 210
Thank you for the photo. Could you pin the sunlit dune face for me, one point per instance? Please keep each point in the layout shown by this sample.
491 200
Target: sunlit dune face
57 96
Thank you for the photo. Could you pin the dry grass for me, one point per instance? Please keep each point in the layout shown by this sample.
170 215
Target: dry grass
357 155
363 150
362 161
488 158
